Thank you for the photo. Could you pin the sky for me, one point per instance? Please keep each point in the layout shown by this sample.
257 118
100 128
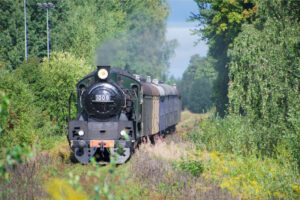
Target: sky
178 28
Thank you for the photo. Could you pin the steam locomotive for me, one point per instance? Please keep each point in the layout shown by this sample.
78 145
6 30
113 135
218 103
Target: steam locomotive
116 110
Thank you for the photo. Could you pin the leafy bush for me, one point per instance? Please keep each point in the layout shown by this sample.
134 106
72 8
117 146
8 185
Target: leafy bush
192 166
59 76
264 74
12 156
231 151
235 134
4 102
25 121
39 95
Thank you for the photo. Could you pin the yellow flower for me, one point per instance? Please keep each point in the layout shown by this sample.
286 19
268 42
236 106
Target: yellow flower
61 190
296 188
225 169
253 182
277 194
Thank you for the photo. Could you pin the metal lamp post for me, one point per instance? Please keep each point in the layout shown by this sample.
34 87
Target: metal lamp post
25 16
47 6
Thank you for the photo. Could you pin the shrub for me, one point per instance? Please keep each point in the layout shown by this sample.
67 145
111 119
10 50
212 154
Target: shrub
192 166
39 94
236 134
264 76
24 119
4 102
59 76
231 149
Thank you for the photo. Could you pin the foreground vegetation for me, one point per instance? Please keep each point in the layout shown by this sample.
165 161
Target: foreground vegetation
229 151
256 58
83 35
252 153
194 163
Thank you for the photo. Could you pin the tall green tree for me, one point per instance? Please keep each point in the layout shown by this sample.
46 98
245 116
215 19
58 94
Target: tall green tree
12 29
142 46
80 27
219 23
265 74
196 84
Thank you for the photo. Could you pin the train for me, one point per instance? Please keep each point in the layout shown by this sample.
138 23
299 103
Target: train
116 110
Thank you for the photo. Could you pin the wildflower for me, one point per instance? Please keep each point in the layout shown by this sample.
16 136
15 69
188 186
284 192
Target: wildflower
253 182
277 194
59 189
296 188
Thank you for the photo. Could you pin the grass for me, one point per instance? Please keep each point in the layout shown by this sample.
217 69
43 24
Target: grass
165 178
95 181
249 177
195 163
221 146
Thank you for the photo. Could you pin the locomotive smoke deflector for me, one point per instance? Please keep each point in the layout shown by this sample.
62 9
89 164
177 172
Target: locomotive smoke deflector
103 72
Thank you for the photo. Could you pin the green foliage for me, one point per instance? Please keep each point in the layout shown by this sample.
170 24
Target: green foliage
137 29
220 23
39 95
200 96
89 24
12 156
12 29
20 125
264 74
39 92
141 48
232 134
4 102
192 166
59 76
10 159
232 152
196 84
237 135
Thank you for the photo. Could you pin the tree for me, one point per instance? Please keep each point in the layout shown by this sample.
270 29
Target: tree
200 96
196 84
264 74
219 23
12 29
135 28
142 45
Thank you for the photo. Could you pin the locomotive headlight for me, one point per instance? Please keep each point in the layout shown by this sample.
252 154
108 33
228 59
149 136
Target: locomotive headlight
81 133
102 73
123 132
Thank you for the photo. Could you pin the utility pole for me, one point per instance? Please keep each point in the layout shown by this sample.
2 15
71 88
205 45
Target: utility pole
47 6
25 17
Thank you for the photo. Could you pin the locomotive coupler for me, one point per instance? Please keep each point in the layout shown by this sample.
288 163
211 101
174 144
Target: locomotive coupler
102 146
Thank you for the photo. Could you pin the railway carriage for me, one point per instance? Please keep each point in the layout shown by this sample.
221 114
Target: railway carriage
115 110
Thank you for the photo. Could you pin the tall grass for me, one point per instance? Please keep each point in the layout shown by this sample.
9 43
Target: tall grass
237 155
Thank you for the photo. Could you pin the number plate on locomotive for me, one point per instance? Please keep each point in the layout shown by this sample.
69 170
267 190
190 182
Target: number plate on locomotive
102 98
106 143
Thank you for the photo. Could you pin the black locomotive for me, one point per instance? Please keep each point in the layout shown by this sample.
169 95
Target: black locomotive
115 110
